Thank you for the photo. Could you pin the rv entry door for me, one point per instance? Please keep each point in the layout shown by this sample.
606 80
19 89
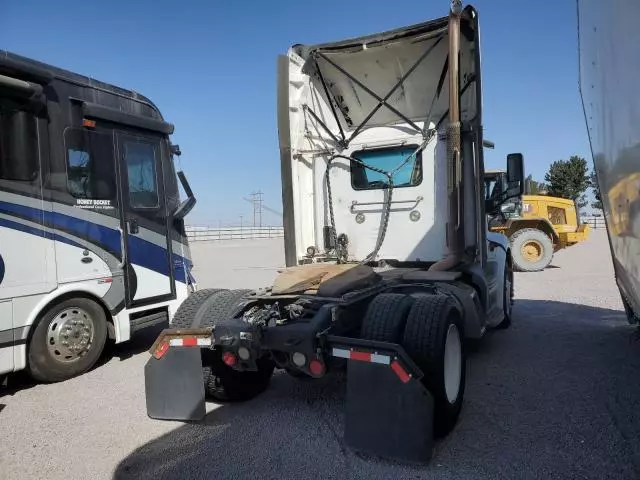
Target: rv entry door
147 248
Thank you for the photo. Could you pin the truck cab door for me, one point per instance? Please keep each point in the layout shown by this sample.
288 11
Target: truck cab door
146 245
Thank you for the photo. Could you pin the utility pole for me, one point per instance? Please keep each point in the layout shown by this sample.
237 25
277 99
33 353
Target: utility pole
256 201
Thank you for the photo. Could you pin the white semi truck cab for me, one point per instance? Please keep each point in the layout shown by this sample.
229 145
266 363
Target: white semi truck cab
390 266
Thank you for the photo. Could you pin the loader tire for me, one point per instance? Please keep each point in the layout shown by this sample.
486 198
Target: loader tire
532 250
223 383
386 317
433 338
190 311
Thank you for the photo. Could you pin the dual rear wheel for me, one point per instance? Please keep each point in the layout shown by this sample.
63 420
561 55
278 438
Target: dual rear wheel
205 308
430 329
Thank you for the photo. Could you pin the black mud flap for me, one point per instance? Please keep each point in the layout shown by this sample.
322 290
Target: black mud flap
174 385
387 417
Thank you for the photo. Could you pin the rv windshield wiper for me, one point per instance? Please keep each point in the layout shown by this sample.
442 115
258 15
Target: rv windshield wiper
187 205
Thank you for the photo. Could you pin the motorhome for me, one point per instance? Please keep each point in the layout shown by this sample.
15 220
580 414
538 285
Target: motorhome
92 238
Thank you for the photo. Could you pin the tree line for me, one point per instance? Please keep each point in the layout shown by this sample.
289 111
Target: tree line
568 179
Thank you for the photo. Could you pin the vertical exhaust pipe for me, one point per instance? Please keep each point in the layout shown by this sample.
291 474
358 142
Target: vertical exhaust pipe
455 223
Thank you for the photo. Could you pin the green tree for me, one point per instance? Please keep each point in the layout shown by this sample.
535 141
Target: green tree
596 191
569 179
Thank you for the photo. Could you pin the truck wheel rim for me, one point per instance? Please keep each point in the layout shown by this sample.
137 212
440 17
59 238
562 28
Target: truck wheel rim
507 296
532 251
70 335
452 363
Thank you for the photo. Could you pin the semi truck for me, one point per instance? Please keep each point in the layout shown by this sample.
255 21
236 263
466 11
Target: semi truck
390 267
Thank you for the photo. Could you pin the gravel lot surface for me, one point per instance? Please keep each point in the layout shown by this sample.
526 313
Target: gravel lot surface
555 396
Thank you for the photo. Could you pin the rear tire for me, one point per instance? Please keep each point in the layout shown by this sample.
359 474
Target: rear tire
67 341
532 250
193 308
433 339
386 317
223 383
507 298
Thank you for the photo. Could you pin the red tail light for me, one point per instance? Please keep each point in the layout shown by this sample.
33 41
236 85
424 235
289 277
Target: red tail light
316 367
229 358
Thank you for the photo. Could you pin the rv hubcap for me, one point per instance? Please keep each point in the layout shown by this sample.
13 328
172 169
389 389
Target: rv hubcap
452 363
70 335
532 251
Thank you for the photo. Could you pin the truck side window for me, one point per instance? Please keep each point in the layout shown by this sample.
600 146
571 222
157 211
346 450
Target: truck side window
387 160
19 158
140 161
90 164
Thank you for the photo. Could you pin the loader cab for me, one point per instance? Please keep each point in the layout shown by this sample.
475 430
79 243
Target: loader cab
503 189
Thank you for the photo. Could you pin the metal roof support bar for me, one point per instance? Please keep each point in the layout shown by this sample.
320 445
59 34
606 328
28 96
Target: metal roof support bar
333 108
322 124
369 91
395 87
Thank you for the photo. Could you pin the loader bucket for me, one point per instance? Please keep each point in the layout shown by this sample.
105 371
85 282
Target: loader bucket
174 385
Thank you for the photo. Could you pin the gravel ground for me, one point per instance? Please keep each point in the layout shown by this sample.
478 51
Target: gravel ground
555 396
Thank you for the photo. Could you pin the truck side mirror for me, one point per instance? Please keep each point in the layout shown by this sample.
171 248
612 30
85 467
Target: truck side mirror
515 169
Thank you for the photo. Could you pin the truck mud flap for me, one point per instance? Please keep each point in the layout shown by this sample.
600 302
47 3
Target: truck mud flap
174 385
388 413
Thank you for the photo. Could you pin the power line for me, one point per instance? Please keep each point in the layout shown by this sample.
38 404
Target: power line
256 199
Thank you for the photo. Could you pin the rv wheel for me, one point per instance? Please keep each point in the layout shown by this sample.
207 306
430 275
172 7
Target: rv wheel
433 339
67 341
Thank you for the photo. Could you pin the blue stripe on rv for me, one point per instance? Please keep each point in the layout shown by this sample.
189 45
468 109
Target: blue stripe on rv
37 231
141 252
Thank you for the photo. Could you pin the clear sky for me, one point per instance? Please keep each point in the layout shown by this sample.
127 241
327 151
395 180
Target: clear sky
210 66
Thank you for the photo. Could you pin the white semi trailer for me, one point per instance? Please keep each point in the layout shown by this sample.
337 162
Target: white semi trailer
609 48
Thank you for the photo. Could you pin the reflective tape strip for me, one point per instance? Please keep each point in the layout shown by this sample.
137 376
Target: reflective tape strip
400 372
190 342
340 353
383 359
361 356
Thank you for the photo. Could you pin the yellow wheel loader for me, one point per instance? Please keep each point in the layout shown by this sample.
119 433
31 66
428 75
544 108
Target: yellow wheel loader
537 225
